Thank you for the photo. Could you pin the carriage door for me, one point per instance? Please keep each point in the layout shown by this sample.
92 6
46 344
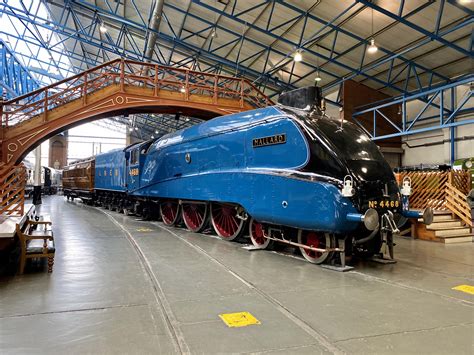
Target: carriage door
133 175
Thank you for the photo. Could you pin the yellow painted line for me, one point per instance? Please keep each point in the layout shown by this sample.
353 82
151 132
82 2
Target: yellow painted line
144 230
465 288
240 319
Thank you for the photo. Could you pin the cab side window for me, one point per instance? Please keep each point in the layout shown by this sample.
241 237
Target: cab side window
134 157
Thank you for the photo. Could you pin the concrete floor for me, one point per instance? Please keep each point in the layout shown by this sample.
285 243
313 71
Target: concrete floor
126 286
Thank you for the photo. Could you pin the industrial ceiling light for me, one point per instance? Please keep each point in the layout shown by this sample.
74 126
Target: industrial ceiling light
372 48
318 77
156 131
465 2
214 33
152 137
102 28
183 89
298 57
136 128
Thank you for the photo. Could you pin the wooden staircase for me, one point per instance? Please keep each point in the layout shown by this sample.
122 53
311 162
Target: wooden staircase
445 229
12 190
446 193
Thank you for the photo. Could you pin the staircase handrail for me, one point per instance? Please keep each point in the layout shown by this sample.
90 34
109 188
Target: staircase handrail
12 190
456 202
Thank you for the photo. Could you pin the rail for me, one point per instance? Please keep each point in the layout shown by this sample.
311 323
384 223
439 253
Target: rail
456 202
12 190
189 85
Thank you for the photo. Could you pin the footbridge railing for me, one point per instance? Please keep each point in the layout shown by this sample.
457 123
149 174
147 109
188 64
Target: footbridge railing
157 80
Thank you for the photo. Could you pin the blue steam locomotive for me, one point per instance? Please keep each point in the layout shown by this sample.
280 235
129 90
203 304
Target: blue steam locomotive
284 174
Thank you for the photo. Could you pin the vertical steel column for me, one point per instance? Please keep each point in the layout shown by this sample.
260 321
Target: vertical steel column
37 186
452 142
452 130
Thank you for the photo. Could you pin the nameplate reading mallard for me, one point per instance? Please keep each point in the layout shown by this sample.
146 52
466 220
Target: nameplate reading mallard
271 140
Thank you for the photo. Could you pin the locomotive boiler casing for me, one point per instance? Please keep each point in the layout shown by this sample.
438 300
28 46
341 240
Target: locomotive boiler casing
255 159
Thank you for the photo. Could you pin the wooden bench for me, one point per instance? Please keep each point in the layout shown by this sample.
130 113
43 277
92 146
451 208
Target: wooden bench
36 241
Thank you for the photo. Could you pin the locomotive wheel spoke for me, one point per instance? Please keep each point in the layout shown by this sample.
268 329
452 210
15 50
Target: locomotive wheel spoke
169 211
316 240
257 232
195 216
225 221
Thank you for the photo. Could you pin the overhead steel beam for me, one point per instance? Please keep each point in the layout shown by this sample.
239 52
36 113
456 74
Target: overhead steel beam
381 31
410 125
431 35
15 78
166 40
350 70
354 36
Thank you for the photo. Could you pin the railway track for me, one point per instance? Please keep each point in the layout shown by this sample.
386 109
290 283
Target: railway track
173 325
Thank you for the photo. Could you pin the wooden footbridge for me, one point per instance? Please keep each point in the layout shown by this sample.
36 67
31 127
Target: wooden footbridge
114 88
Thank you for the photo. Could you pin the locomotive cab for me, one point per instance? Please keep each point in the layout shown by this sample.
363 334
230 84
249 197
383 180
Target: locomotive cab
132 158
135 156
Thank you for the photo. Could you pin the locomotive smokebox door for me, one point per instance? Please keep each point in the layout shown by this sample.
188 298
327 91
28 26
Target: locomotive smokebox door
303 98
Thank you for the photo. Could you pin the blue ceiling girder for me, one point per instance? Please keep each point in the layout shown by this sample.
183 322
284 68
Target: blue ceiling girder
434 36
79 21
331 27
407 67
177 43
15 79
446 95
80 35
400 72
73 70
30 45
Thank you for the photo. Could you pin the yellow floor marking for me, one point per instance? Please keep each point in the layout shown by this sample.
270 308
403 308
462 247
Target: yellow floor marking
465 288
144 230
240 319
